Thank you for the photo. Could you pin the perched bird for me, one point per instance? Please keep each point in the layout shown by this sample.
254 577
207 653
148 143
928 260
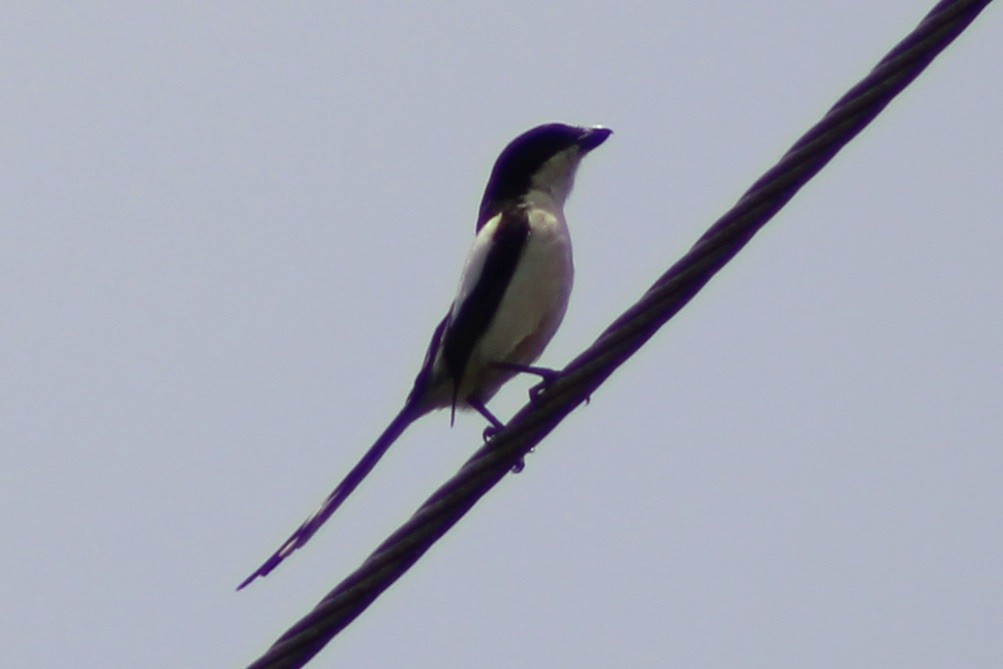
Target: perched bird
513 293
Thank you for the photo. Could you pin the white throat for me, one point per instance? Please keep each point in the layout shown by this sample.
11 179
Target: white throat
556 178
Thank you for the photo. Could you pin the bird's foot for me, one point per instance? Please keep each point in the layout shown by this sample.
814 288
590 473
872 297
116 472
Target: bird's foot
547 376
489 432
495 424
541 387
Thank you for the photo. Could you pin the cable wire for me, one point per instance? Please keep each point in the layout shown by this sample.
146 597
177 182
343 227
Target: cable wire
670 293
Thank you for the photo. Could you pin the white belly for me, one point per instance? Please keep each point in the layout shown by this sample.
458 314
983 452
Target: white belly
531 309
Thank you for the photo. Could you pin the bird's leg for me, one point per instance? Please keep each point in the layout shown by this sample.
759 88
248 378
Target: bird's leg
492 429
546 375
478 406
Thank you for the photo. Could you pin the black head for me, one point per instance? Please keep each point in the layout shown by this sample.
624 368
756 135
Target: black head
520 161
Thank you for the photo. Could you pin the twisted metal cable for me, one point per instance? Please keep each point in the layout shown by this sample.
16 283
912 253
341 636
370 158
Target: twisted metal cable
624 337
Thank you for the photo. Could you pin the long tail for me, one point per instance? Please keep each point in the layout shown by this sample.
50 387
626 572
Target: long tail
408 415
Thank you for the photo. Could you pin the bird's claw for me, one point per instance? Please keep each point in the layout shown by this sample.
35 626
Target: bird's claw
546 379
489 432
536 391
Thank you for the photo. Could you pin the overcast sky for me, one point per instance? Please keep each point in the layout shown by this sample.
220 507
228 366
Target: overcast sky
228 231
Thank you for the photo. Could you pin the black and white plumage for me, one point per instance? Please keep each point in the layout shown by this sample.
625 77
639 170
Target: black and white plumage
513 293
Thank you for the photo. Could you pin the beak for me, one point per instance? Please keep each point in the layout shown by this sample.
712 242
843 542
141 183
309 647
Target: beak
593 137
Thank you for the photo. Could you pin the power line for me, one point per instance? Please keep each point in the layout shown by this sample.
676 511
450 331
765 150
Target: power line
670 293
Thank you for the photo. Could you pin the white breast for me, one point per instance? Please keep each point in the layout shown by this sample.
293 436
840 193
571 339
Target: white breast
532 308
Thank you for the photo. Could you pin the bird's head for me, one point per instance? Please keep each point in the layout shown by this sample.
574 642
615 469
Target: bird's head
543 159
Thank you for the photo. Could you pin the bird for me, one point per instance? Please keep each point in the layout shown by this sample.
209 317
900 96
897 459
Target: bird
512 296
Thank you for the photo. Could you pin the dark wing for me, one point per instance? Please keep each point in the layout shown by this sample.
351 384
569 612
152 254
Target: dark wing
424 378
475 313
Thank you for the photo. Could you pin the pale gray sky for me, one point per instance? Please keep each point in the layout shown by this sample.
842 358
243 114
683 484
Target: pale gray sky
229 229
